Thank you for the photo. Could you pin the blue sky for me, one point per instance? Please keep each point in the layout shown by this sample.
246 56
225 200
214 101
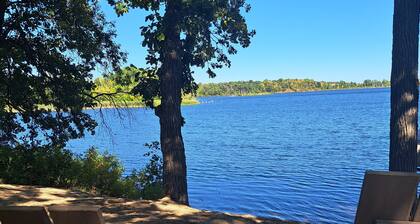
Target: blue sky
327 40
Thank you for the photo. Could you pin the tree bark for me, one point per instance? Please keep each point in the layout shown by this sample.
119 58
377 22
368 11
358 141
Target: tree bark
169 112
404 88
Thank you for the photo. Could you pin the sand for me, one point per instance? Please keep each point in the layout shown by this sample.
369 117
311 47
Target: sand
118 210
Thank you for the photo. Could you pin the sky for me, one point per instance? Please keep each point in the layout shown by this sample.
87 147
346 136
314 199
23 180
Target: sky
328 40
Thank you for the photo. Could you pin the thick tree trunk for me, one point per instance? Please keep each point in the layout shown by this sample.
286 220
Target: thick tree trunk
404 89
169 112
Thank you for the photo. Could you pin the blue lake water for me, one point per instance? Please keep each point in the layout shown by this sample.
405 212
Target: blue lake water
295 156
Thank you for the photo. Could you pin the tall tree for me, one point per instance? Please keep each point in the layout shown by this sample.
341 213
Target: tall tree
181 34
49 50
404 87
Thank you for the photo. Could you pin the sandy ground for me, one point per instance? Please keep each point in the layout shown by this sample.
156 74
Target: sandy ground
117 210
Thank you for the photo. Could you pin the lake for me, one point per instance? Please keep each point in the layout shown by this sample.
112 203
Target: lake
295 156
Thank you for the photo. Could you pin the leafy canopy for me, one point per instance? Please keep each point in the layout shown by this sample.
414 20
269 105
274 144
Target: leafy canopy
210 30
48 52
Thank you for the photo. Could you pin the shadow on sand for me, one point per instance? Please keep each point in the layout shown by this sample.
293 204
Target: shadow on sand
117 210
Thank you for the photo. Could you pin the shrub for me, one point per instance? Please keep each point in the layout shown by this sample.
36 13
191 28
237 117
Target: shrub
38 166
149 180
101 173
92 171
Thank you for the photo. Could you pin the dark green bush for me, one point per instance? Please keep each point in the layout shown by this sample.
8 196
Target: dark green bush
39 166
93 171
149 180
101 173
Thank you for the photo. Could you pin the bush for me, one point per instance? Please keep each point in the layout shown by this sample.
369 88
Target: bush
149 180
101 173
38 166
93 171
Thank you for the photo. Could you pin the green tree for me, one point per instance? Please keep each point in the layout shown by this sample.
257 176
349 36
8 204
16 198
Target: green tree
281 85
181 34
404 87
49 50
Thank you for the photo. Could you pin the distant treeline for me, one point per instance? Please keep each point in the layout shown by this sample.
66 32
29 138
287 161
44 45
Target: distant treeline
239 88
242 88
107 87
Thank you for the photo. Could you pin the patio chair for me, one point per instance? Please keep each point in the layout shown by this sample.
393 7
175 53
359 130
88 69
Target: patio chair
387 198
76 215
23 215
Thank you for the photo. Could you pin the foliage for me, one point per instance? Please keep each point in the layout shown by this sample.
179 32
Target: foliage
46 166
208 31
116 89
281 85
100 172
48 51
93 171
149 180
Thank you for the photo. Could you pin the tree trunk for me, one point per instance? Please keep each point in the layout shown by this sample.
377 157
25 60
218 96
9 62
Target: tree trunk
169 112
404 89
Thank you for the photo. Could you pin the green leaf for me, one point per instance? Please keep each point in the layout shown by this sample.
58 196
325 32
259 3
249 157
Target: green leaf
121 8
160 37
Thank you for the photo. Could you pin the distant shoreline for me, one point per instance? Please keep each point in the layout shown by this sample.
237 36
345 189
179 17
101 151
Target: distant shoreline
137 105
128 105
197 101
298 91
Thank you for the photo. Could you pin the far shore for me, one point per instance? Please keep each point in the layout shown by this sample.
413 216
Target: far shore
139 105
292 91
119 210
126 105
197 101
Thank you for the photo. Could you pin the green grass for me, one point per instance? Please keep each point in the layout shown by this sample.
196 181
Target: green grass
187 101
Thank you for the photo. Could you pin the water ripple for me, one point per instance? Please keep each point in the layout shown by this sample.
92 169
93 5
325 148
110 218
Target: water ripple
298 156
